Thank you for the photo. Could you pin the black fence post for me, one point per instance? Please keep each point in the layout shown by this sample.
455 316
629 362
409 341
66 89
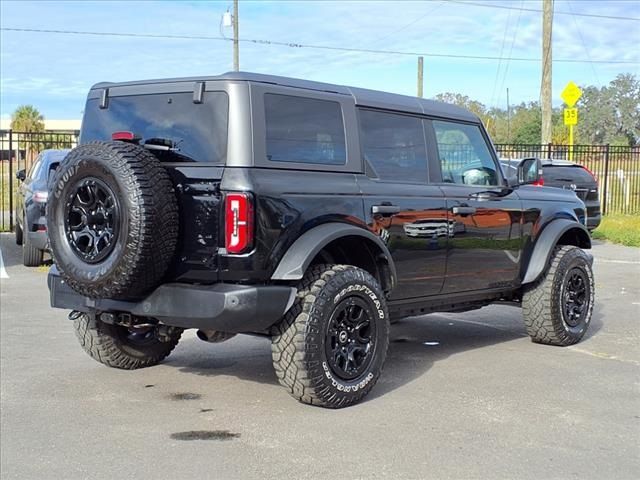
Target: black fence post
606 179
10 180
549 150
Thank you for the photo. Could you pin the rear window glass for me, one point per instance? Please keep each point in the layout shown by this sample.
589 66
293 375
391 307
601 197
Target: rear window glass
195 132
566 174
304 130
394 145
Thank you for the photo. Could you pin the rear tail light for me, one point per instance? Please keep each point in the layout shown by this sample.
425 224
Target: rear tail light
238 225
40 197
539 182
125 137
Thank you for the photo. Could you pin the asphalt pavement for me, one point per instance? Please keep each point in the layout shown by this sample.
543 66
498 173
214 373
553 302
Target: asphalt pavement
463 396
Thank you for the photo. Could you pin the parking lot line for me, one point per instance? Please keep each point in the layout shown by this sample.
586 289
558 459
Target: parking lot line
3 272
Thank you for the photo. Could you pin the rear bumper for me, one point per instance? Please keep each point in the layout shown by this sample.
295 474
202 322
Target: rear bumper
593 221
223 307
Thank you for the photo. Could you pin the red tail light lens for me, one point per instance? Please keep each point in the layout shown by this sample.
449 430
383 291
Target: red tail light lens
539 182
238 222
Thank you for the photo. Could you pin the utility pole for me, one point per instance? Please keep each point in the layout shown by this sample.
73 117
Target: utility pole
508 118
236 50
545 87
420 75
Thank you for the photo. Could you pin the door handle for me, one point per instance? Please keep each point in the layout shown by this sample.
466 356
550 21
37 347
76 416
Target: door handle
463 211
385 209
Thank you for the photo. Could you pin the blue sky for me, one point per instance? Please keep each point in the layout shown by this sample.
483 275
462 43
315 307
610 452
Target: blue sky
53 71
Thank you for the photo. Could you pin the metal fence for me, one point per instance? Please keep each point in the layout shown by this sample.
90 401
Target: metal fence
617 168
18 151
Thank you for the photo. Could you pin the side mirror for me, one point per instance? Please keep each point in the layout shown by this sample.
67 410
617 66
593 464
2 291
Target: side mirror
529 171
21 175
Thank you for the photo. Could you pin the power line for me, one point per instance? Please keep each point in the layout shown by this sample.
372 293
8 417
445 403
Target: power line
584 44
506 70
504 40
591 15
317 47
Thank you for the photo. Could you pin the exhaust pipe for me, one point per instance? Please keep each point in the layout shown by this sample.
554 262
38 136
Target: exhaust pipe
214 336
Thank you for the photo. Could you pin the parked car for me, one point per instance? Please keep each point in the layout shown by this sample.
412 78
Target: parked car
31 224
248 203
569 176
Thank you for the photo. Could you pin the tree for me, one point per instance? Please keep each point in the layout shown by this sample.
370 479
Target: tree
610 114
27 119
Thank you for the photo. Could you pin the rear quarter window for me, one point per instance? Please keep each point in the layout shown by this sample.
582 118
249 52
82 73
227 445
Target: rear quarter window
304 130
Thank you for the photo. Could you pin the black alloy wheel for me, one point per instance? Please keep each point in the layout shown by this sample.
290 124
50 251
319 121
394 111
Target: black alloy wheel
91 223
574 297
350 338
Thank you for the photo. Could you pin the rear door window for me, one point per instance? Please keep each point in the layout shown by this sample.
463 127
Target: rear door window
304 130
195 132
394 145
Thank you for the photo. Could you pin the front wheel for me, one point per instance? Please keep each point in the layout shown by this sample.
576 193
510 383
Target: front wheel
121 347
330 347
557 308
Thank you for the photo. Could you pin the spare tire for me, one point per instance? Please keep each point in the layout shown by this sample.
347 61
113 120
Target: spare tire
113 220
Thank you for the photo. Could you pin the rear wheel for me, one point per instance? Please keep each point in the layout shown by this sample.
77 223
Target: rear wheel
122 347
31 256
557 308
19 233
330 347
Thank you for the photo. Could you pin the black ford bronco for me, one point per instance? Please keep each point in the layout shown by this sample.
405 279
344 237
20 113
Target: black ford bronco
315 214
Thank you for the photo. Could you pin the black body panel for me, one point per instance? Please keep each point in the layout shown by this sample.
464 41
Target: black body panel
433 243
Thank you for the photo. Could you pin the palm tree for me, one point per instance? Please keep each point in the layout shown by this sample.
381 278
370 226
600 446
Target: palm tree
27 119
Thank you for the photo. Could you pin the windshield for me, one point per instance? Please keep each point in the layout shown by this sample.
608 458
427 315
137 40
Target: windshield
195 132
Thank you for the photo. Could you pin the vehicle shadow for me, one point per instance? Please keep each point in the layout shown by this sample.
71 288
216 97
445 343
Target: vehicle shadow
417 343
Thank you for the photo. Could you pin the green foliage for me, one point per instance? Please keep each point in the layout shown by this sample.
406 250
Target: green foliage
623 229
609 114
27 118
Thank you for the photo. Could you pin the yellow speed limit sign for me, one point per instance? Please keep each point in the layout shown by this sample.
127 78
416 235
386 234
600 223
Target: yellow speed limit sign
570 116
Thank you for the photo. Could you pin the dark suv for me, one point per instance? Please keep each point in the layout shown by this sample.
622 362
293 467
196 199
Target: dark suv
309 212
569 176
31 225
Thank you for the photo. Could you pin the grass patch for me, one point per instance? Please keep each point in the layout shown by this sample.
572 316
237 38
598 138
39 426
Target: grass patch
622 229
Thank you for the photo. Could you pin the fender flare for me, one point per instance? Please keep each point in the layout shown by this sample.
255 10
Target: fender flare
300 254
546 242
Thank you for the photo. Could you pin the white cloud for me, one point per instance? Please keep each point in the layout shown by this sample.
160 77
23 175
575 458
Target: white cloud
55 70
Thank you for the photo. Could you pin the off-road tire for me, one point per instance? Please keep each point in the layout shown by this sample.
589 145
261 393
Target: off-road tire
147 220
108 344
31 256
542 301
298 341
19 234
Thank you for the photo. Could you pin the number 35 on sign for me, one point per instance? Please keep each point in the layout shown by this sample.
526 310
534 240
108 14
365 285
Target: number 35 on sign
570 116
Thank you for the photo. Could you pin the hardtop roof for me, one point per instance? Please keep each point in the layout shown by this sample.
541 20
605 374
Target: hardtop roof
361 96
